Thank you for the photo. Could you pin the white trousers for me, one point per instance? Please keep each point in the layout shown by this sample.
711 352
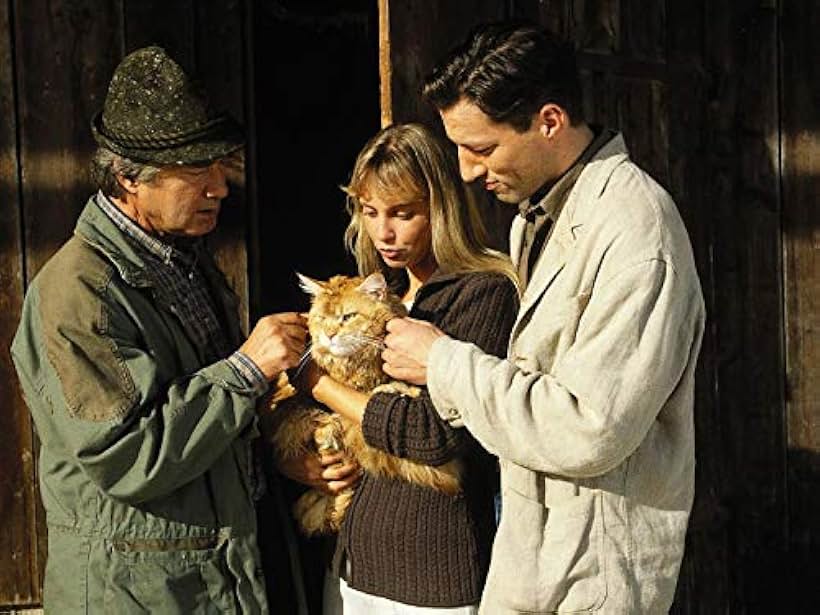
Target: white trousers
341 599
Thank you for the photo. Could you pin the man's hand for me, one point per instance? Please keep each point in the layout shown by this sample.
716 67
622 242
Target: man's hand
276 343
408 344
330 473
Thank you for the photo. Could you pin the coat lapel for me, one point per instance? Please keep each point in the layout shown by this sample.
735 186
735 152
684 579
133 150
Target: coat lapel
583 196
552 260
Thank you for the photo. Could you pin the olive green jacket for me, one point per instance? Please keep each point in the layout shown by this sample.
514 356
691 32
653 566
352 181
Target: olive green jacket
145 464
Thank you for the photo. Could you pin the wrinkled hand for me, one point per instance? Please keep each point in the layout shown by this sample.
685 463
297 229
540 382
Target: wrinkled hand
276 343
408 344
330 473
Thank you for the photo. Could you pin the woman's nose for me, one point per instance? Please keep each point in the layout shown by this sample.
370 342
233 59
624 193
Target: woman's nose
384 229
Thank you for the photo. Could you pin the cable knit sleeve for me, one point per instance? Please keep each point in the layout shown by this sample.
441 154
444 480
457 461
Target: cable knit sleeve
478 308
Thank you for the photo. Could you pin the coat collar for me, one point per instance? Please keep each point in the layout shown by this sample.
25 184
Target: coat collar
580 205
95 228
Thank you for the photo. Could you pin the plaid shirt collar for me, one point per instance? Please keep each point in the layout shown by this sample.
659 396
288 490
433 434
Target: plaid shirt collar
151 243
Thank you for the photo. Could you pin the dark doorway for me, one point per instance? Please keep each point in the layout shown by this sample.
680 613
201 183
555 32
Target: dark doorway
316 102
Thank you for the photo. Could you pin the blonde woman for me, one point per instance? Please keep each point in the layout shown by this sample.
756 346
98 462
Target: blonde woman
404 548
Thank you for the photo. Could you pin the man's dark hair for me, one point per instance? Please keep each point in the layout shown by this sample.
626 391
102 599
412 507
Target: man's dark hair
509 71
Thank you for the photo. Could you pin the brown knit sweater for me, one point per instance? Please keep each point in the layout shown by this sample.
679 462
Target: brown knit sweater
413 544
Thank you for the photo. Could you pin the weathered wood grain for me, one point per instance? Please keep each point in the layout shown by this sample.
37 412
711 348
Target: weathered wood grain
420 32
62 64
800 142
19 559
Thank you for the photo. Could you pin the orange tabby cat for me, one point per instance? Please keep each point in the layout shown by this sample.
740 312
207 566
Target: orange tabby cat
346 321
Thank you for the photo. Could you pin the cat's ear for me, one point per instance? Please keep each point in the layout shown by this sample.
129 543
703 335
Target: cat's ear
374 285
309 285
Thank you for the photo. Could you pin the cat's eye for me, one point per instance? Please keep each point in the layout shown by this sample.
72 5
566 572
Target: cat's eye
347 316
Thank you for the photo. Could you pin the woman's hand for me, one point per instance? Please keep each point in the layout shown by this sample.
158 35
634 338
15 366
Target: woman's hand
330 473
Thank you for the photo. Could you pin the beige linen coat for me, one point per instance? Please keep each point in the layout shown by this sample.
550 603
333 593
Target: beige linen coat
592 413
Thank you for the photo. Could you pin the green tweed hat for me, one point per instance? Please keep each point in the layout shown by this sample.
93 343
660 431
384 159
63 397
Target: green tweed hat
154 113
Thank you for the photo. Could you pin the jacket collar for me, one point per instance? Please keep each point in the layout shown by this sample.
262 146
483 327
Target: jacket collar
95 228
579 206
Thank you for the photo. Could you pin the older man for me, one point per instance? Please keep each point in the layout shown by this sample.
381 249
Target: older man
591 414
133 365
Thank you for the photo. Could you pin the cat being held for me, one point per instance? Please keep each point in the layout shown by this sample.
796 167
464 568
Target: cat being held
347 323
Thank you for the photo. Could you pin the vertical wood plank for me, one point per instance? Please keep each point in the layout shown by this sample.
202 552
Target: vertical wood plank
19 561
801 237
743 189
704 580
62 64
420 32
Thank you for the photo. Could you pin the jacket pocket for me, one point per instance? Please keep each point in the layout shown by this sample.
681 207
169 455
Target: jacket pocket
559 546
168 576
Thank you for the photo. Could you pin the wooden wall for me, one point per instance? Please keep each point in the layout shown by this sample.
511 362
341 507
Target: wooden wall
719 101
56 58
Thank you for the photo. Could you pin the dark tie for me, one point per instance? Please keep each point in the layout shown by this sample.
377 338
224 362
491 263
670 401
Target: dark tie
536 230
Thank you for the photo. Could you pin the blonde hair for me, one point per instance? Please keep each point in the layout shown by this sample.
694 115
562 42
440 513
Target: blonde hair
408 161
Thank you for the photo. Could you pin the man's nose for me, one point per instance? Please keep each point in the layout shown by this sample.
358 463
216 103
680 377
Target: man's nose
470 167
217 186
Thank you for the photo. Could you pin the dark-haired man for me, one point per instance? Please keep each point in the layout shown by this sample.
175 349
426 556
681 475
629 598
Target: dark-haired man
591 414
142 387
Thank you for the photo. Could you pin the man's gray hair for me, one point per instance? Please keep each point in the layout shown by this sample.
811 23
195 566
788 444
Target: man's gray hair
106 166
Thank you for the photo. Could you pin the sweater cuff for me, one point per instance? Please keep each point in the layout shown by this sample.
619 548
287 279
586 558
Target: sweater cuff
441 373
376 420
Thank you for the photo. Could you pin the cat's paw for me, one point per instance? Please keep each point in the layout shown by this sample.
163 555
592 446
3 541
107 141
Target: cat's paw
328 435
396 387
313 512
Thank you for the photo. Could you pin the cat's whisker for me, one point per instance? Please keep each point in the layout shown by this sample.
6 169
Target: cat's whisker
368 339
